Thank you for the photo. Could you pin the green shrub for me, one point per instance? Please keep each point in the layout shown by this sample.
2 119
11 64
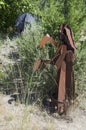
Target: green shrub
80 67
41 81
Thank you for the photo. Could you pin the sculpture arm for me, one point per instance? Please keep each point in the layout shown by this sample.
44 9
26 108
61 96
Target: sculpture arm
46 39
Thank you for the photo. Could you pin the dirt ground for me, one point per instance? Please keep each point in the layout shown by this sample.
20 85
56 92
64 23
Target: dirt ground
17 116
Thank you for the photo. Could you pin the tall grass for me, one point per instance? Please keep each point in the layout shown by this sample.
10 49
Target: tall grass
40 82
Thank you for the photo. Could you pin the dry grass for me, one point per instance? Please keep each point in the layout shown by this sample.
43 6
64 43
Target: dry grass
21 117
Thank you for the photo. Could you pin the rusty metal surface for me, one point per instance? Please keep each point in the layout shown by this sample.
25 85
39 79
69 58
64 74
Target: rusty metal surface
62 87
61 57
62 81
46 39
36 65
63 62
70 38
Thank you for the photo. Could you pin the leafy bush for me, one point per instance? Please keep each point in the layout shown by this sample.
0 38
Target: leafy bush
51 14
20 75
80 67
41 81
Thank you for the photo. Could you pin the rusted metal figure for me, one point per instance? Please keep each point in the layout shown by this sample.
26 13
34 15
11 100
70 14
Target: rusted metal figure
63 61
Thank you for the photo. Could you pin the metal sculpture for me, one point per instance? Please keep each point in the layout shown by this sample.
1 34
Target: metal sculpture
63 61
